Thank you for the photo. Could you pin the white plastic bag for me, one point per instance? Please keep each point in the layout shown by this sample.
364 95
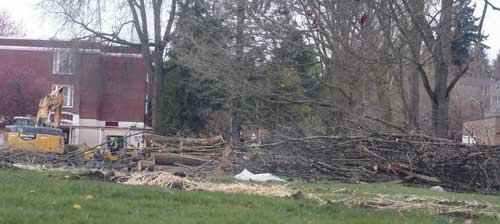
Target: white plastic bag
246 175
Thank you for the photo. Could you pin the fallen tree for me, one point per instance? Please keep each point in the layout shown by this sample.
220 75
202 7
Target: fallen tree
152 139
174 159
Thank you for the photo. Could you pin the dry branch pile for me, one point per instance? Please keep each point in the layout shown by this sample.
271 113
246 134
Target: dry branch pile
377 158
44 159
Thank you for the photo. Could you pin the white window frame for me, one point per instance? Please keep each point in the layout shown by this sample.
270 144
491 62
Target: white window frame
57 59
68 99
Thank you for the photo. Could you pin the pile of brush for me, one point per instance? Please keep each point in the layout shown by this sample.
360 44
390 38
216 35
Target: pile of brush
377 158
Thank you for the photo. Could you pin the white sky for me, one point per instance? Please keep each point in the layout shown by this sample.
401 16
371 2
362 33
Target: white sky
42 27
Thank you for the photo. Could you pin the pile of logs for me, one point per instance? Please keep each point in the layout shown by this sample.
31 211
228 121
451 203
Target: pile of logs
162 152
377 158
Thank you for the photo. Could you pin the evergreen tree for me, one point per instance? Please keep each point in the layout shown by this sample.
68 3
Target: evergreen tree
465 32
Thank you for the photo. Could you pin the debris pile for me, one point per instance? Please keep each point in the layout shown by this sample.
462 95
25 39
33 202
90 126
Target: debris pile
191 156
163 179
413 203
45 160
377 158
172 181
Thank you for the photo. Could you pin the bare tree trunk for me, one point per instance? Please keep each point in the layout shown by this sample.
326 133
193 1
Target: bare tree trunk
383 92
414 76
384 70
442 60
235 106
440 116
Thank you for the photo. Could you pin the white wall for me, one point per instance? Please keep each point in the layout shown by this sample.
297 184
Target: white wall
93 132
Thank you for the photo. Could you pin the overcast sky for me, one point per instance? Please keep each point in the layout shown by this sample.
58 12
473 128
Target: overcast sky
41 27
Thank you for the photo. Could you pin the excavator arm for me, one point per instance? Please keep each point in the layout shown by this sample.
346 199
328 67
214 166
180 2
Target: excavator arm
51 103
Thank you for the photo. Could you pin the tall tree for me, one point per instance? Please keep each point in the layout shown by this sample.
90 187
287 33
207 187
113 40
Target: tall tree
439 43
415 47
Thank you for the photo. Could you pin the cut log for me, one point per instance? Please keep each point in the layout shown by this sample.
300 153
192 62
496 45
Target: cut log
150 138
173 159
144 165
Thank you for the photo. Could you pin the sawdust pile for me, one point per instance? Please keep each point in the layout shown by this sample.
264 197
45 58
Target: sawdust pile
172 181
254 189
404 203
161 179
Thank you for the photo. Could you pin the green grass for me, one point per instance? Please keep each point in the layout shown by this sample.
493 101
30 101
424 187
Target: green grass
33 197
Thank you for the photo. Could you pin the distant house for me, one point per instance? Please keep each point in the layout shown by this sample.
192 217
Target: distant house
482 131
479 97
105 87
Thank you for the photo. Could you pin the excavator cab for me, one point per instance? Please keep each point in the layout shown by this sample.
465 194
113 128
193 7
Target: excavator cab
23 121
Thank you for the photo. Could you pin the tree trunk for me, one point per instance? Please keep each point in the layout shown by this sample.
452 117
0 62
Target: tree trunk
383 92
414 76
442 60
155 99
414 98
235 106
440 106
440 119
235 124
184 141
173 159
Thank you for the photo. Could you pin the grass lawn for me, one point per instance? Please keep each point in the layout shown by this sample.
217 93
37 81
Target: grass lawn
33 197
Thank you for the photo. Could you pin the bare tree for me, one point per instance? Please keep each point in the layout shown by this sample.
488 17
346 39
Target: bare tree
8 26
437 37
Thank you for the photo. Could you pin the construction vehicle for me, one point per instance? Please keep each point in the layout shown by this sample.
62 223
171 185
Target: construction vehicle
45 135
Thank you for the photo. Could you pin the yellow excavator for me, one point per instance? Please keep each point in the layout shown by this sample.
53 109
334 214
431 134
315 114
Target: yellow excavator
45 135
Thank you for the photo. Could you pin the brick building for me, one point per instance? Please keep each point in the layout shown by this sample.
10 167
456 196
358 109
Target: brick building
482 131
104 86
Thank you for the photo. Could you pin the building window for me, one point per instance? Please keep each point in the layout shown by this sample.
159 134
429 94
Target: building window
63 62
68 93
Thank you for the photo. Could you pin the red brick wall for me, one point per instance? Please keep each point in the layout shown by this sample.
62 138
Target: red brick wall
107 88
88 90
124 89
25 77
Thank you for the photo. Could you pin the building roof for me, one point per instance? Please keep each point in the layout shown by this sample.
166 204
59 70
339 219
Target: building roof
19 43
